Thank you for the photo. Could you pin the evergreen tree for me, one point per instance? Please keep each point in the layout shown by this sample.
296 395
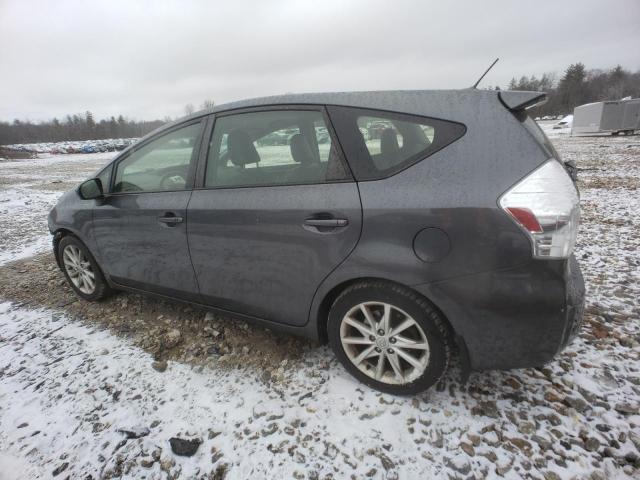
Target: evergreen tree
122 126
89 125
571 88
113 128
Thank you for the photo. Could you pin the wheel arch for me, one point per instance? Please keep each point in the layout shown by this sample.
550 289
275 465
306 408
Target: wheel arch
322 318
62 232
58 234
322 315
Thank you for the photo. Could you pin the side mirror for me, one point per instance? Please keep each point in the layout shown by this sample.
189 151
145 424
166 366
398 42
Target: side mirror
91 189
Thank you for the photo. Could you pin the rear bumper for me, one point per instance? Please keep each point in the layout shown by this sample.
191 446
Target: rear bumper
575 293
513 318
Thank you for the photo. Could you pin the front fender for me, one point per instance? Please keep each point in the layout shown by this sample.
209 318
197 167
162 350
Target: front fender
73 216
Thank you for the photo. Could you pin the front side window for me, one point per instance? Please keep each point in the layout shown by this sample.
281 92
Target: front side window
160 165
278 147
379 144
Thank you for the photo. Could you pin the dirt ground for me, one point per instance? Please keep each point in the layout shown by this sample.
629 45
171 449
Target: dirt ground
168 330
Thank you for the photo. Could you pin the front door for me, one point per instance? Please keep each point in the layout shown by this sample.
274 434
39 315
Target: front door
277 211
141 225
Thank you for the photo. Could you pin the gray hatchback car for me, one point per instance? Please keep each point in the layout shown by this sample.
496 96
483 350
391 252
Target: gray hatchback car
397 226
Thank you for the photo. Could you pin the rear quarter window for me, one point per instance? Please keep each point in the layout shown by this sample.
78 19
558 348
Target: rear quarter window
379 144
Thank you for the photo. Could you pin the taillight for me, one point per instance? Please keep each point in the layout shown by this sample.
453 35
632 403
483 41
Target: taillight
545 204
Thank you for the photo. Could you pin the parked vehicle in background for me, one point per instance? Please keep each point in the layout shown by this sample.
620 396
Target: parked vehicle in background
452 221
615 117
85 146
565 122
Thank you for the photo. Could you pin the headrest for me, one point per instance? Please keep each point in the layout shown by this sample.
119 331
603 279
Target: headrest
241 149
389 142
301 150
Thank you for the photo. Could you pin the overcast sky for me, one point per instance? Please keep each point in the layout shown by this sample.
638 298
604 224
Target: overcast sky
148 59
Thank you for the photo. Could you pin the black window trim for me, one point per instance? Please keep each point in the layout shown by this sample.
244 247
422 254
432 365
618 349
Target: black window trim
204 150
403 116
137 146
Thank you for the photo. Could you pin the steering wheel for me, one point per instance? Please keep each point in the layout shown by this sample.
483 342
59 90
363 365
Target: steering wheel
169 181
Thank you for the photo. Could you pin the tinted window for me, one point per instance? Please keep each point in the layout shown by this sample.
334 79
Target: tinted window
162 164
272 148
379 144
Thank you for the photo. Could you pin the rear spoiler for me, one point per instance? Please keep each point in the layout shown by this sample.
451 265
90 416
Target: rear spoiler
516 100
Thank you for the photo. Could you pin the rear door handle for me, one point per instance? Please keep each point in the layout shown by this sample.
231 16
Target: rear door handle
170 219
326 222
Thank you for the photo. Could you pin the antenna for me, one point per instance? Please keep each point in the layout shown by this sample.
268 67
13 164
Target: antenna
486 71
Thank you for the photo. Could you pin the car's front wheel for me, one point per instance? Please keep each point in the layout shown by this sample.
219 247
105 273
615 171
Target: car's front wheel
389 337
81 270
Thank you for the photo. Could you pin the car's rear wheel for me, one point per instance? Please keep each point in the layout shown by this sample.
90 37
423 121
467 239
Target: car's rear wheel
81 270
389 337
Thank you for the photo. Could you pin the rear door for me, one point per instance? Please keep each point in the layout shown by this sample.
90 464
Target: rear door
140 226
275 212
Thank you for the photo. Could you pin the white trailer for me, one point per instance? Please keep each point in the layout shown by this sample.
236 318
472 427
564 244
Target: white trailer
621 116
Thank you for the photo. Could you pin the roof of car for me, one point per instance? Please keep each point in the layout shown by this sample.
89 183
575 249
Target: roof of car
337 98
369 99
444 104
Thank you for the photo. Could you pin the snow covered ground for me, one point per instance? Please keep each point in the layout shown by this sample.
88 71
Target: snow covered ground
83 396
28 190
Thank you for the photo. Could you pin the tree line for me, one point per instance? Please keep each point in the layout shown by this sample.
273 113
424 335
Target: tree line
578 86
74 127
80 127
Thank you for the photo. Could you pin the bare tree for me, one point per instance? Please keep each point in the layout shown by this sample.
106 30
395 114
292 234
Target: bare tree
188 109
208 104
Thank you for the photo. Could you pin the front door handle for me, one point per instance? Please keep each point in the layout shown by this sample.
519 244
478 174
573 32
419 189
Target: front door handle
326 222
170 219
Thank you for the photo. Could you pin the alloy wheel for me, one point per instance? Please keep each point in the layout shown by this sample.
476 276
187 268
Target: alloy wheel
384 342
79 270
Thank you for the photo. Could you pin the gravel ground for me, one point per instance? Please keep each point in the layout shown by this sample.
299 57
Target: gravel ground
118 389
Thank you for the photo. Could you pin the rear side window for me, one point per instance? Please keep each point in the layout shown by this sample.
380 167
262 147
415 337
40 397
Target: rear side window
266 148
379 144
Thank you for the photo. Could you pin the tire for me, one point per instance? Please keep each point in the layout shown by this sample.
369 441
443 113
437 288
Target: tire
67 248
349 340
